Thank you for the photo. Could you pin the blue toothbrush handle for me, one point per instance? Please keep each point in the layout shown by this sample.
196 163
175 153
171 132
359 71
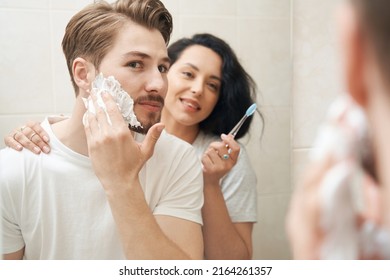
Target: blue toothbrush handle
235 129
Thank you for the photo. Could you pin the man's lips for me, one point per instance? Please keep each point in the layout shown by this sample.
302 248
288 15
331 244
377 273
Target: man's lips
153 106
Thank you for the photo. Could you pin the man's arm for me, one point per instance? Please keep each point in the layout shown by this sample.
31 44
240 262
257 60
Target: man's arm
147 237
189 238
18 255
117 160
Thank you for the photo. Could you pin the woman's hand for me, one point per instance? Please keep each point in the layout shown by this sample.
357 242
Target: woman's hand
219 159
31 136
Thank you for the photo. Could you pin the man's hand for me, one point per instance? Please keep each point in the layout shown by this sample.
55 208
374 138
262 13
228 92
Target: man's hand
114 153
303 218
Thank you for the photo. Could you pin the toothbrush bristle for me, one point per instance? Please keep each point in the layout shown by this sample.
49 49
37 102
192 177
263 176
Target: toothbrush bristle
251 110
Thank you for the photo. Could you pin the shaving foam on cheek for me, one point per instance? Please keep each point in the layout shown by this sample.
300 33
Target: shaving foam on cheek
111 86
344 136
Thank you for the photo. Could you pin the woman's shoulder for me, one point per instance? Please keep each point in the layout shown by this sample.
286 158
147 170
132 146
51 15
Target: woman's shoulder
204 140
172 146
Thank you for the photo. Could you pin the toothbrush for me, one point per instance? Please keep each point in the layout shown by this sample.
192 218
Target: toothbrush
249 112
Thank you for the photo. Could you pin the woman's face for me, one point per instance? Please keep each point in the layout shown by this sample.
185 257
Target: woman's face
194 83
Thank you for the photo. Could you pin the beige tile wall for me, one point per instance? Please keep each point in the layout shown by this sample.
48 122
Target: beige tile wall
34 81
316 74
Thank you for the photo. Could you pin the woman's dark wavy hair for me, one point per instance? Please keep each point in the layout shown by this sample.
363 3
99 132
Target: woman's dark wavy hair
237 92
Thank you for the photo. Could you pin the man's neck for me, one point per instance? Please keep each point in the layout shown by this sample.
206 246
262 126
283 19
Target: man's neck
71 131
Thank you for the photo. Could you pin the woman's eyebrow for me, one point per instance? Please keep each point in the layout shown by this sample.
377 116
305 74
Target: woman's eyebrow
197 69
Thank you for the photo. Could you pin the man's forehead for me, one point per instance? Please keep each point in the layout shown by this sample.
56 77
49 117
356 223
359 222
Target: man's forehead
136 40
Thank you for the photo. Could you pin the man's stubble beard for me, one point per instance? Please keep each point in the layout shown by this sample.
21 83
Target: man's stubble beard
146 125
152 117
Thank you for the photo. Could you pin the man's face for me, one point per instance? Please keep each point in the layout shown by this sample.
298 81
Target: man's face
139 61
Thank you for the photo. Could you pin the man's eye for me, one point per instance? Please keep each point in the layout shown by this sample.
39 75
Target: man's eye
163 69
134 64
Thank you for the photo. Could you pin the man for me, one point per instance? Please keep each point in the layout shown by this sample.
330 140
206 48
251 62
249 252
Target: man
54 206
365 37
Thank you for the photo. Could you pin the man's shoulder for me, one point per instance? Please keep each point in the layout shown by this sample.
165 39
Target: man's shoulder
10 156
12 166
168 143
175 153
12 161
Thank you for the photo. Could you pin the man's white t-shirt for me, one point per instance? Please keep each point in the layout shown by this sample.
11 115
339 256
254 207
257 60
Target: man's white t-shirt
55 207
1 233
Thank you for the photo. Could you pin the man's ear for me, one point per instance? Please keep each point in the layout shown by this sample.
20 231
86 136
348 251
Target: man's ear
83 73
353 51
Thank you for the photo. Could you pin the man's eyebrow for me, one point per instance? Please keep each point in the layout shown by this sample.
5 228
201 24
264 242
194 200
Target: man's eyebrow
197 69
167 60
142 55
137 53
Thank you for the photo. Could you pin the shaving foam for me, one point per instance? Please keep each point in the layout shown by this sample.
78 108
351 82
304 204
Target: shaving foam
111 86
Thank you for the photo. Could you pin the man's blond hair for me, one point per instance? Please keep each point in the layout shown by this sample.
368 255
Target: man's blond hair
92 31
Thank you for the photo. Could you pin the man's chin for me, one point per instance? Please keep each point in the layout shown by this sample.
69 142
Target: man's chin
146 123
142 130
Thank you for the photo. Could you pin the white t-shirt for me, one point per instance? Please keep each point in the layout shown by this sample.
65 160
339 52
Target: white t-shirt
1 233
55 207
239 186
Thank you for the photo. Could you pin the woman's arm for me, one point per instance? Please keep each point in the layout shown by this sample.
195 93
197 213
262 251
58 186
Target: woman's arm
223 239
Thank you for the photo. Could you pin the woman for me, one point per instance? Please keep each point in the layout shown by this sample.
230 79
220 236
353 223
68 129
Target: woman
209 92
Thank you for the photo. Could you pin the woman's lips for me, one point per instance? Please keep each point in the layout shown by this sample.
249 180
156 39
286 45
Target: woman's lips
189 104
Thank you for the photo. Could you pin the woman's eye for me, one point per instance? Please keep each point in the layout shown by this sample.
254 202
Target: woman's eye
214 87
187 74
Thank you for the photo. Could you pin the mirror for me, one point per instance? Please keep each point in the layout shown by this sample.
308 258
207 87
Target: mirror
34 82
